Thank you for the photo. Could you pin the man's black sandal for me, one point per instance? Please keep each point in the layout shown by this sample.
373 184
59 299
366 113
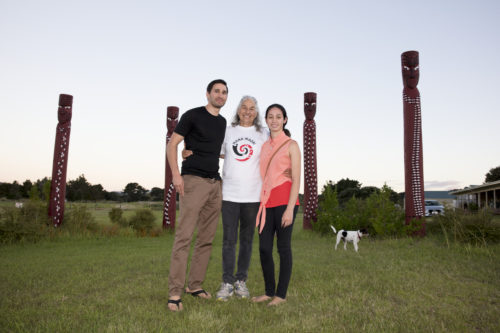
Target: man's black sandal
176 302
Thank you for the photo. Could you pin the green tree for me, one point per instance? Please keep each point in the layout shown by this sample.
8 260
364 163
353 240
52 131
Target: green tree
386 219
366 191
345 188
347 194
135 192
79 189
328 212
40 184
46 190
14 191
156 194
26 187
492 175
346 183
4 190
96 192
113 196
34 195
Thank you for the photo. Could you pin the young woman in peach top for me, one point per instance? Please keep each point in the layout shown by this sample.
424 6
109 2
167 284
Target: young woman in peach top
279 160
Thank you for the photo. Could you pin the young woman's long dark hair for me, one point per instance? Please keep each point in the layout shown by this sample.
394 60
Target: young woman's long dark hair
283 111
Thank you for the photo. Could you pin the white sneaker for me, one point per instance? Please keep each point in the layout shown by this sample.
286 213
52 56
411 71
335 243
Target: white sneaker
241 289
226 290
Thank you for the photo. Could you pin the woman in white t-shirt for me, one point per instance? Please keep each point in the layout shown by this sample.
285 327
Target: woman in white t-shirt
241 185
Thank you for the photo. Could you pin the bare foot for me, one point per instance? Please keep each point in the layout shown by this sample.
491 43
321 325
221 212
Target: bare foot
199 293
175 304
276 301
261 298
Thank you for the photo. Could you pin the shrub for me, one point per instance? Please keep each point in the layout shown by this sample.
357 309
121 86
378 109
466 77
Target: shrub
385 217
354 215
29 223
378 214
328 212
473 207
116 216
478 228
143 221
79 221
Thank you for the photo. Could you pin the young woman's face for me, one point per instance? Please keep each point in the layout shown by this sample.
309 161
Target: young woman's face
275 120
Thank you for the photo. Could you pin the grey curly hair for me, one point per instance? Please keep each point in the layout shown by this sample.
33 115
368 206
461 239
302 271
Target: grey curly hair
256 121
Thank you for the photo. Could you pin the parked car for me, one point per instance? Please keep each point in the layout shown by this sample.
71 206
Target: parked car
433 207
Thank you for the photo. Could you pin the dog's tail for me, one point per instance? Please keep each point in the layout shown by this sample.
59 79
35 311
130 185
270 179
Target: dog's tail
333 228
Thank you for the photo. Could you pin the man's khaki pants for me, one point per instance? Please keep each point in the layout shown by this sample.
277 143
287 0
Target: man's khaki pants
199 208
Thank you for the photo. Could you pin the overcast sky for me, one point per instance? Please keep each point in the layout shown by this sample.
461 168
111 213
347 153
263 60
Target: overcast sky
126 61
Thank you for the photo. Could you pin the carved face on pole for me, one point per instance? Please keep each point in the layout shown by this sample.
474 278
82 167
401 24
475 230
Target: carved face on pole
64 112
172 115
410 68
310 105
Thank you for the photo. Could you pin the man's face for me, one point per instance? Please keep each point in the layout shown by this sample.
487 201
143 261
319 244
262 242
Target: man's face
217 96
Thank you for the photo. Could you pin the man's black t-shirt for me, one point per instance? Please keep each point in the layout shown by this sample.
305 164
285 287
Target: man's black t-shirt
203 134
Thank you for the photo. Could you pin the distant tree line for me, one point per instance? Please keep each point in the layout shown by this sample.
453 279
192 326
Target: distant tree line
81 190
37 190
78 189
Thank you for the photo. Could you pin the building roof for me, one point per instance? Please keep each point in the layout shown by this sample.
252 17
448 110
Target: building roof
438 195
478 188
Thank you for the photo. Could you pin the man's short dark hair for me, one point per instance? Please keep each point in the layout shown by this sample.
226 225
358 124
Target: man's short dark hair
214 82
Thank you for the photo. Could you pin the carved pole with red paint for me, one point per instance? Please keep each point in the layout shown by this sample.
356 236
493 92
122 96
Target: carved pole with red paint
169 197
414 166
60 163
310 162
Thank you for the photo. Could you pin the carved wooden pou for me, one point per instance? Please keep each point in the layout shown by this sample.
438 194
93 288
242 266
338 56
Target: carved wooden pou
310 162
413 151
60 163
169 197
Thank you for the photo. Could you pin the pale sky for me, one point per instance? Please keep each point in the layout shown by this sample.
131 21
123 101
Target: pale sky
126 61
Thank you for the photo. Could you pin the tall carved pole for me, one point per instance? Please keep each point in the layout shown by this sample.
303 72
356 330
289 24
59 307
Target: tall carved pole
414 168
169 202
60 163
310 165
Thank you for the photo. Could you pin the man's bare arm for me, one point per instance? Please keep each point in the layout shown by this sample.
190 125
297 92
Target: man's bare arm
175 139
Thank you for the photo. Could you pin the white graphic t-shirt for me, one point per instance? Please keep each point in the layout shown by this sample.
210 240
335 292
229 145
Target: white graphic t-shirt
241 181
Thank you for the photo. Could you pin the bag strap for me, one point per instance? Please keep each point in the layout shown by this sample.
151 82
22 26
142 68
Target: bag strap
269 163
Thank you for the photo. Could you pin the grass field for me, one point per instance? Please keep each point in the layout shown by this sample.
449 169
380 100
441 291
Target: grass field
119 284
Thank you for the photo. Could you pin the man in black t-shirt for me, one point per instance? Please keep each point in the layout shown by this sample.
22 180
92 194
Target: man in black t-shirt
200 189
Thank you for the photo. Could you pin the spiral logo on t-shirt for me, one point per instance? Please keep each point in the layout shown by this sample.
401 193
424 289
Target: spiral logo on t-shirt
243 151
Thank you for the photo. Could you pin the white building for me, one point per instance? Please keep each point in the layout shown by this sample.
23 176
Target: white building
486 195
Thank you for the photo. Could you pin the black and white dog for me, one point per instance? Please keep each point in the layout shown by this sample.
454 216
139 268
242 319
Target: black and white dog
349 236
